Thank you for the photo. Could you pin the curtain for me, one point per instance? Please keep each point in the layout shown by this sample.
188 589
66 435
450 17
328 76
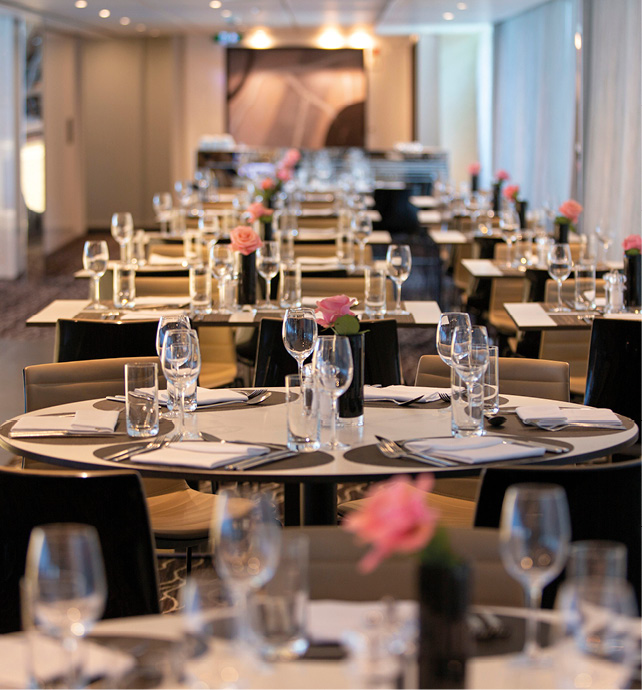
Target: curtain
612 119
534 102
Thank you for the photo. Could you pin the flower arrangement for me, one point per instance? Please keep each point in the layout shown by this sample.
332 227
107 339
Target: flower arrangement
501 176
512 192
257 211
397 518
632 245
474 168
244 240
284 173
334 312
569 212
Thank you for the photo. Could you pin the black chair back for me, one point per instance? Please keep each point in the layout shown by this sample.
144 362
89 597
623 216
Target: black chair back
604 503
112 502
78 339
382 364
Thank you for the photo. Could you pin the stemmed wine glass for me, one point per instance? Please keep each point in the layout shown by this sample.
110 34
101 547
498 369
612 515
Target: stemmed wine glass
605 235
509 226
162 203
299 334
247 544
122 230
534 536
95 255
332 365
268 257
361 230
559 269
181 362
398 265
209 227
221 265
448 321
170 323
66 585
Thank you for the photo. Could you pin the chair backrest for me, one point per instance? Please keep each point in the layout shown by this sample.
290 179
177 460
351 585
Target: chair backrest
85 339
614 370
517 376
604 502
353 286
29 498
382 363
152 286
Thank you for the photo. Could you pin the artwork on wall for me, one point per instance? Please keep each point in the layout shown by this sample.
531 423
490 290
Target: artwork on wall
301 97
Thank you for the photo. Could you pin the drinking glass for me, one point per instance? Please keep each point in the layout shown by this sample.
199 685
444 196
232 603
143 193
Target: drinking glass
222 266
448 321
469 352
170 323
162 203
509 225
122 230
534 536
332 365
398 265
361 230
559 269
299 333
267 264
596 558
181 362
65 578
247 543
209 226
95 255
605 235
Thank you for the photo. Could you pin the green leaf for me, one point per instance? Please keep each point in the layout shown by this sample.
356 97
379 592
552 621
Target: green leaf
346 325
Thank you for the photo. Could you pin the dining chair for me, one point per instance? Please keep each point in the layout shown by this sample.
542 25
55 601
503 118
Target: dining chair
113 502
382 363
604 503
180 516
353 286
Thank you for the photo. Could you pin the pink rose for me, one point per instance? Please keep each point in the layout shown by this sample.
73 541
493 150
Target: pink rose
245 240
502 175
257 211
511 191
291 158
397 518
632 242
571 210
284 174
333 307
474 168
267 184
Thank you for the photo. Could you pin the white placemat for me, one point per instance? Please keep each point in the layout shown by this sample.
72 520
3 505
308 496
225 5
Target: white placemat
447 237
59 309
424 312
429 217
528 314
482 268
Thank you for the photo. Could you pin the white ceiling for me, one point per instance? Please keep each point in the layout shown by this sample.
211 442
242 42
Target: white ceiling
189 16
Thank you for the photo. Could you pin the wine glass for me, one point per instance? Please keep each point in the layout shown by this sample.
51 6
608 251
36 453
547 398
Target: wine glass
268 258
534 536
122 230
448 321
65 581
508 226
247 544
332 365
361 230
209 227
162 203
181 362
169 323
221 265
398 265
299 333
469 353
559 269
95 255
605 235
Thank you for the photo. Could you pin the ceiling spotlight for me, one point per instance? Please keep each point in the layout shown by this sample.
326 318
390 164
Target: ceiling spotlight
81 4
215 4
226 13
125 21
331 39
259 40
361 40
104 14
448 16
140 27
462 6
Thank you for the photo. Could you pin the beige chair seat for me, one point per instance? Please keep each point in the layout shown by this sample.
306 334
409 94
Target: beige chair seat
181 514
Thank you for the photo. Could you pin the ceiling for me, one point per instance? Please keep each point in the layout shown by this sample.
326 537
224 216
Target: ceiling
162 17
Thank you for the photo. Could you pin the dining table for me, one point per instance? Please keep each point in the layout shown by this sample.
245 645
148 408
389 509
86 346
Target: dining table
541 316
311 478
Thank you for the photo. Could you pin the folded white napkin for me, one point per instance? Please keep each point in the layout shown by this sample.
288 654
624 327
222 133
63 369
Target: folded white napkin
317 260
403 393
208 396
89 421
474 449
202 454
162 260
530 414
149 315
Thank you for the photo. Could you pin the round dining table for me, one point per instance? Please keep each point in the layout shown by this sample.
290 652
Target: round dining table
310 479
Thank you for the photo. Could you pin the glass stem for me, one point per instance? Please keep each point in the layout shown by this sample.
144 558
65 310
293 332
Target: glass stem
221 294
362 254
333 422
123 253
509 252
94 290
181 416
268 289
559 295
533 603
74 672
398 294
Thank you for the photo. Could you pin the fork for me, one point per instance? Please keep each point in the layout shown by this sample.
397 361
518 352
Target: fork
444 397
400 403
130 452
393 450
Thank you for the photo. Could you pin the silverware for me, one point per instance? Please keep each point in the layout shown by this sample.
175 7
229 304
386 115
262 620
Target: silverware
400 403
581 425
131 452
444 397
548 447
253 398
58 433
393 450
251 463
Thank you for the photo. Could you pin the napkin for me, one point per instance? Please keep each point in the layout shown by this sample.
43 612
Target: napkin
403 393
201 454
318 260
551 414
208 396
473 450
162 260
89 420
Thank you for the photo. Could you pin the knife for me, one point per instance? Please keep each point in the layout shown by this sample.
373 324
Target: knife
251 463
548 447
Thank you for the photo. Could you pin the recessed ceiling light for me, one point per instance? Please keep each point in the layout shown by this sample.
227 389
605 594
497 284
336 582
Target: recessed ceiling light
140 27
361 40
448 16
125 21
81 4
226 13
331 39
462 6
260 40
104 14
215 4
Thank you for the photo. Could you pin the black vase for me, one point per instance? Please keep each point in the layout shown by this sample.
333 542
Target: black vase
521 207
561 233
497 197
444 638
474 183
351 402
633 273
247 279
267 230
